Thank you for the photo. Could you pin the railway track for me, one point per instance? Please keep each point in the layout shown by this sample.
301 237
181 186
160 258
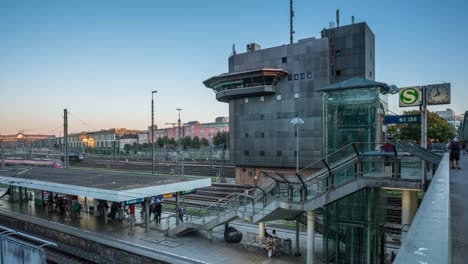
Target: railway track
198 169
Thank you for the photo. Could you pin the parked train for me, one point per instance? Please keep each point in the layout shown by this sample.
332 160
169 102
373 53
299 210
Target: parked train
57 164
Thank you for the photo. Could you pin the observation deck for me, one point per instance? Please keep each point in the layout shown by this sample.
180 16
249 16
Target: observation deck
258 82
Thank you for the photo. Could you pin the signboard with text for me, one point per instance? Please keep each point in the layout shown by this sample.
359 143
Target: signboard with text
134 201
402 119
410 96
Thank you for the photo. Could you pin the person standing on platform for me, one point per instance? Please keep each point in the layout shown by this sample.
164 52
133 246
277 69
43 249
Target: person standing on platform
158 210
30 199
180 213
454 148
132 219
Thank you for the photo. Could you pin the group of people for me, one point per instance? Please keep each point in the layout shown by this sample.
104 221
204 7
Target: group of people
155 208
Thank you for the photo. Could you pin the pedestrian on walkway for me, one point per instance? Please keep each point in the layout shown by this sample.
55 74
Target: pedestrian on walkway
180 213
132 219
158 210
454 148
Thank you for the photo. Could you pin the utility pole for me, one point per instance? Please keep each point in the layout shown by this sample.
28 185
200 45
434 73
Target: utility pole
291 16
179 148
3 154
65 138
152 131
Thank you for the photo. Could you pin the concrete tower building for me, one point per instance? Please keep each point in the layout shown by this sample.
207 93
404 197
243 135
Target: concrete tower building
267 88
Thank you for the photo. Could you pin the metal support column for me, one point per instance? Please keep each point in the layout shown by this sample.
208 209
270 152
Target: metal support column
177 205
261 230
147 214
298 252
423 133
310 237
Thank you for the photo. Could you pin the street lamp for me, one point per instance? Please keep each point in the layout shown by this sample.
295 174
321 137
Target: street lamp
179 147
297 121
152 131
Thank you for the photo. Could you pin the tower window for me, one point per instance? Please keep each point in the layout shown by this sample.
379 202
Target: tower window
309 75
296 76
246 100
261 153
302 76
262 134
278 97
262 98
284 59
246 152
338 73
278 153
296 95
246 135
290 77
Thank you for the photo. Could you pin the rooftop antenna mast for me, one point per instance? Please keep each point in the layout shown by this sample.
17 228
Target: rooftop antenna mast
291 16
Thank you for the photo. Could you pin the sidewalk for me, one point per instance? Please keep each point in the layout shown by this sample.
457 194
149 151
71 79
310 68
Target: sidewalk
459 211
194 246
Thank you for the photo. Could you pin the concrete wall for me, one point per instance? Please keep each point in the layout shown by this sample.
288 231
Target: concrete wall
79 245
352 52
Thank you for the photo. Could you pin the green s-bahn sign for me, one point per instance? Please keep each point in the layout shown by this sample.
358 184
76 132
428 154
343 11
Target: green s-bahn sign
410 96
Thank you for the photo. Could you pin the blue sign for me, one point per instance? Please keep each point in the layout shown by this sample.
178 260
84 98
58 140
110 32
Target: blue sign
134 201
188 191
403 119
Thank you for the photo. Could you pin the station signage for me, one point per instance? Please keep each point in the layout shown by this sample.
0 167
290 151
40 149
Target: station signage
402 119
410 96
188 191
134 201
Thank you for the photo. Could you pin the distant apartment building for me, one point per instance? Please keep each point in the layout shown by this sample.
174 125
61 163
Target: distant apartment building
267 88
27 140
194 129
100 140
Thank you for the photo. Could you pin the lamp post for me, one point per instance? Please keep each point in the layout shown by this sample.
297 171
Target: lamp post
152 131
297 121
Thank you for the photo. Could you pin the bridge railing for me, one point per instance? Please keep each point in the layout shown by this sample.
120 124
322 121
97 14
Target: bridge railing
429 239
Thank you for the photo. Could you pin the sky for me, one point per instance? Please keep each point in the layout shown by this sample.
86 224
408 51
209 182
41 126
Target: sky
101 59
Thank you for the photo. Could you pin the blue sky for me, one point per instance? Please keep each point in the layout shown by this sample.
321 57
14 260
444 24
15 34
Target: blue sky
101 59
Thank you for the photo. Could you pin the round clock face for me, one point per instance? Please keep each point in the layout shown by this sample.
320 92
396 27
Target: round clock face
438 94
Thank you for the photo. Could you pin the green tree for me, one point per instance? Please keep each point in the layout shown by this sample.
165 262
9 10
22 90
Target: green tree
196 142
220 138
186 142
172 141
135 148
204 142
160 141
127 148
437 129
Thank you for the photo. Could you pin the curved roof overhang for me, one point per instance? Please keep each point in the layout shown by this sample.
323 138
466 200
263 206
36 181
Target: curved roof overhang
211 82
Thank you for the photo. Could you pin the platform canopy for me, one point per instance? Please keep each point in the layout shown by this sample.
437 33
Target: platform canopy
113 186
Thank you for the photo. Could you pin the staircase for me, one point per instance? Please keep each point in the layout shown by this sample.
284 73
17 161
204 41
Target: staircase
288 195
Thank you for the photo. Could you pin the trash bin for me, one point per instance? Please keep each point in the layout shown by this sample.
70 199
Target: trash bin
287 246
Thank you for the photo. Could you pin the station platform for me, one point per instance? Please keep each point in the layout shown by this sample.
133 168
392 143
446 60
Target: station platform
191 248
459 211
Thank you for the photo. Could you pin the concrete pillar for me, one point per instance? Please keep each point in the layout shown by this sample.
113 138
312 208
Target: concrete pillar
310 236
210 234
261 230
298 252
409 203
147 214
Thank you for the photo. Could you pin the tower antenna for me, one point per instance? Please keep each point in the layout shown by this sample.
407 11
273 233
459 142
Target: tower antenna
291 16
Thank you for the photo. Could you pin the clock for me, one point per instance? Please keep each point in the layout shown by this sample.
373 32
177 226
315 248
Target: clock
437 94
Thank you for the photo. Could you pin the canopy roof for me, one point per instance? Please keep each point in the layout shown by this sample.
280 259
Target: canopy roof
105 185
354 83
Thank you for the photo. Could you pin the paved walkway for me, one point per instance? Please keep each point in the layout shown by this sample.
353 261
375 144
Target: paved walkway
459 211
194 246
